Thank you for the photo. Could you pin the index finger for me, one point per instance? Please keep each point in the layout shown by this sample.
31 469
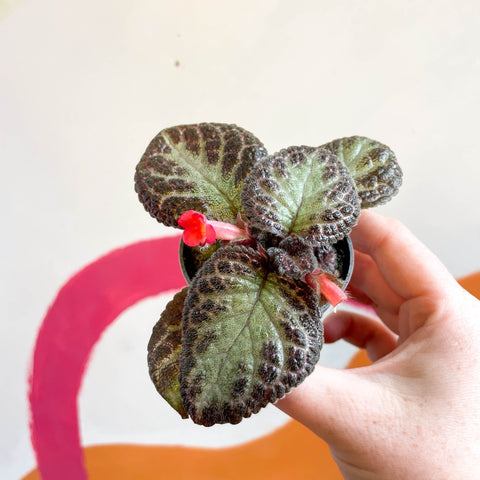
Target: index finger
407 265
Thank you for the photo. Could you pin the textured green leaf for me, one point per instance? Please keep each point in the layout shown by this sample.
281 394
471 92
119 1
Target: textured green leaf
164 350
303 191
249 336
373 166
196 167
293 258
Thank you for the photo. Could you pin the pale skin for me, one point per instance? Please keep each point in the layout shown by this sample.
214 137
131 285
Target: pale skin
415 412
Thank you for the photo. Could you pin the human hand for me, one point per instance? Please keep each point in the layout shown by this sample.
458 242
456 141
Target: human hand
415 412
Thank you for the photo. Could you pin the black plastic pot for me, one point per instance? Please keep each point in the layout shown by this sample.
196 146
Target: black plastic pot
189 263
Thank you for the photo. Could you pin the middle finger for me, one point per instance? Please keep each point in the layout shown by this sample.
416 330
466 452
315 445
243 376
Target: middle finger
367 278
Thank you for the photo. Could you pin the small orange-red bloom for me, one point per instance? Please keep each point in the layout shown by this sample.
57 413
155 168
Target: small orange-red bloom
197 231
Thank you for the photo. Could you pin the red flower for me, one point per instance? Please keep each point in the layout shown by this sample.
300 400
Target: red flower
197 230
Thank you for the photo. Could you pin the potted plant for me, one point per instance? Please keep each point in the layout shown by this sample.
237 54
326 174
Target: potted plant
266 253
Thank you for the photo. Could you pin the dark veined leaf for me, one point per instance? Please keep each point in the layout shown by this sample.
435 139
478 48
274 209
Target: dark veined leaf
302 191
164 350
373 166
331 258
249 336
293 258
196 167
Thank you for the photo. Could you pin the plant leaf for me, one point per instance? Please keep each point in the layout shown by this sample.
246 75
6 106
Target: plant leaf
293 258
304 191
249 336
373 166
196 167
164 350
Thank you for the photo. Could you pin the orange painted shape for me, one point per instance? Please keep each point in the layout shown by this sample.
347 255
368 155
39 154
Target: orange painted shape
472 284
291 451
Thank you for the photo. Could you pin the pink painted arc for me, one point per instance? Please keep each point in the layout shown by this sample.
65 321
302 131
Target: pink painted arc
84 307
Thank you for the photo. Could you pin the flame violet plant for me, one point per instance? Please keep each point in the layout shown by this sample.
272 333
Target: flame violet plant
263 233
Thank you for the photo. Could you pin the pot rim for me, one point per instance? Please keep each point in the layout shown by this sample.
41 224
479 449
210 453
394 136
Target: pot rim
348 249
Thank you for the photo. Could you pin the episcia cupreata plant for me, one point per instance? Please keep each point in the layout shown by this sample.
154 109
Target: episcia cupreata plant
264 231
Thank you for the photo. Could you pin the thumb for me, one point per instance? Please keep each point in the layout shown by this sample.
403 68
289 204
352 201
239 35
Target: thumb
337 405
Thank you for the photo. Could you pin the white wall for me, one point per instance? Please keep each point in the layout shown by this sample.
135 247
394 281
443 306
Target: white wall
85 85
